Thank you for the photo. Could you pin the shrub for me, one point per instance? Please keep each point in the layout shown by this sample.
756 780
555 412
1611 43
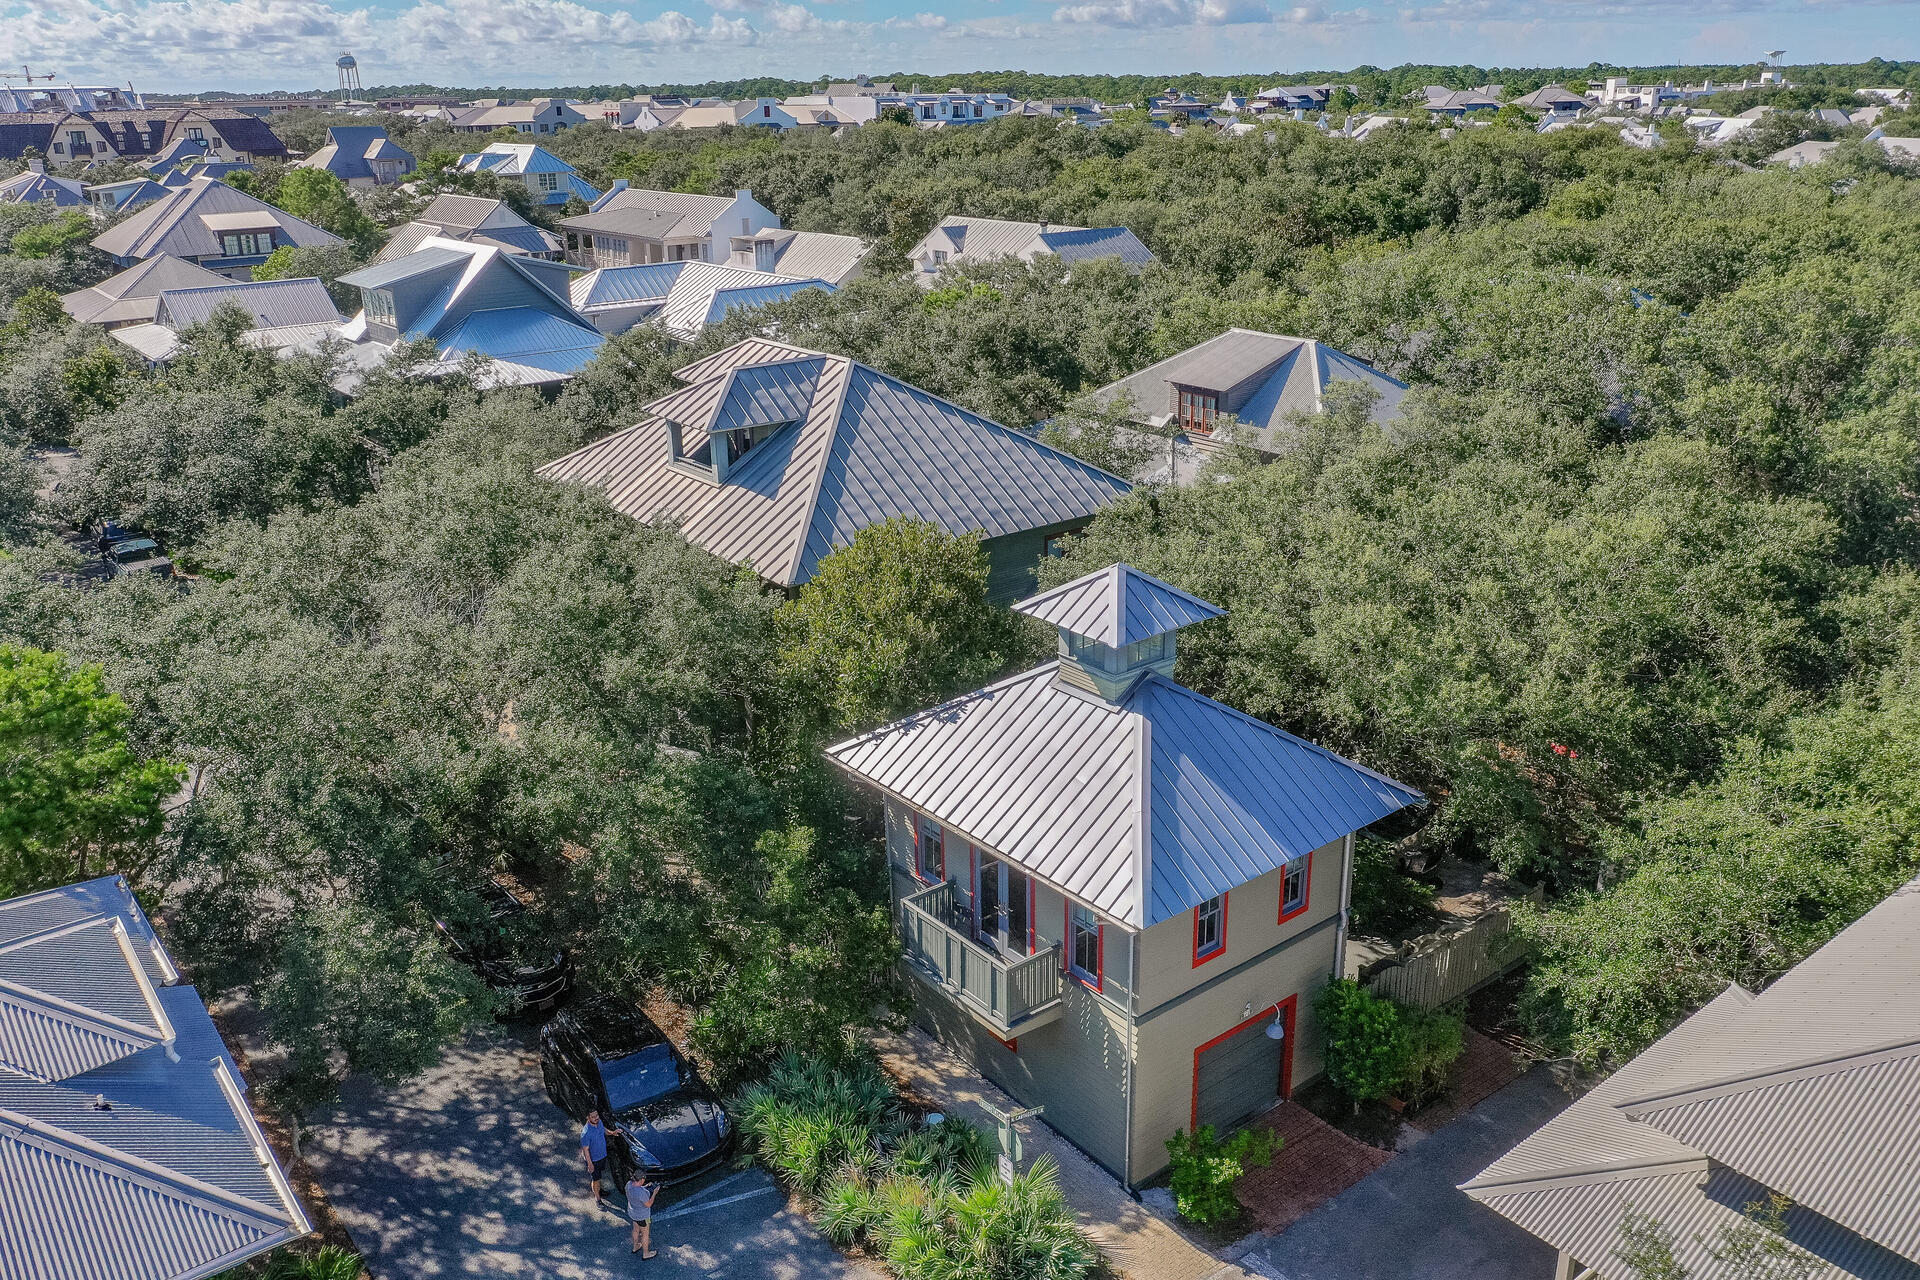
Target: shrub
1434 1040
1204 1170
1367 1047
929 1201
329 1262
1386 900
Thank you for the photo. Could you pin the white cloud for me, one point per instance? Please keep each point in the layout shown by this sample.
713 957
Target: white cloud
917 22
1163 13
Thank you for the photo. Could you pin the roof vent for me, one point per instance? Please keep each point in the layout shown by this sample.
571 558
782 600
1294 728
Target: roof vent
100 1102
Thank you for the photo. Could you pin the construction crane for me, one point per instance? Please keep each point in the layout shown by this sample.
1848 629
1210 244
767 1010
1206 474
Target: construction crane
26 73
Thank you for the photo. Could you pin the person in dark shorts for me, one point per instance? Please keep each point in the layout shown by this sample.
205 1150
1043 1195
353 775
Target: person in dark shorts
593 1147
640 1194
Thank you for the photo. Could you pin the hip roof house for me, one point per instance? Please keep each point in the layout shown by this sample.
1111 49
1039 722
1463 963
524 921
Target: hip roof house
476 220
1810 1089
34 185
1259 380
548 178
773 456
278 312
475 299
133 296
361 156
207 222
127 1147
1117 896
965 240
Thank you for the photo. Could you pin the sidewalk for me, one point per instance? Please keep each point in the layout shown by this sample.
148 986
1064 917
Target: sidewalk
1139 1243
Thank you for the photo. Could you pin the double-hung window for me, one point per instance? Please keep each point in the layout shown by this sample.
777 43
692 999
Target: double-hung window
929 851
548 181
1084 945
1294 879
1209 929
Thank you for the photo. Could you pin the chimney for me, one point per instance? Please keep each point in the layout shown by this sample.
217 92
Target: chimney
36 166
1043 226
741 193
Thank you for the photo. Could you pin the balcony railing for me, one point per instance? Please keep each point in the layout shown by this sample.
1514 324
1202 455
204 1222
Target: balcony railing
1007 993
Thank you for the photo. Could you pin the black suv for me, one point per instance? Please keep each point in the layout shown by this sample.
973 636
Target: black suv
503 943
601 1055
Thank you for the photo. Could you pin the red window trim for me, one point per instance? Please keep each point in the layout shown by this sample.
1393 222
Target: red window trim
1220 948
1306 892
1099 982
941 872
1290 1021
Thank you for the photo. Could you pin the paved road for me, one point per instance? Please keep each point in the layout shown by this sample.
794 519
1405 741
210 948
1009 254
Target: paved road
468 1170
1408 1222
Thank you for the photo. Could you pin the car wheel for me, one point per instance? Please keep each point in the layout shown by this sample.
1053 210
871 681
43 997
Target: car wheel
554 1093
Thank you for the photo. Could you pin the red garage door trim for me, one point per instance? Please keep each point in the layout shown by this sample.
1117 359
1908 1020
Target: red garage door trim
1287 1009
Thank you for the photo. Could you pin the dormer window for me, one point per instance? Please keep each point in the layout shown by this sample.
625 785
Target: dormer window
379 305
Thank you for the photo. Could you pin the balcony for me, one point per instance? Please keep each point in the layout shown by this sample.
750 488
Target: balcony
1006 994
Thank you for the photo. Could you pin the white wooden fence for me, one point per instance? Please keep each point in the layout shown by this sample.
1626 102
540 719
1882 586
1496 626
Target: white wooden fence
1442 967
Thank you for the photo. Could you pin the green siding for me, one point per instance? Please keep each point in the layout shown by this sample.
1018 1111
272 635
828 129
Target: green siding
1013 561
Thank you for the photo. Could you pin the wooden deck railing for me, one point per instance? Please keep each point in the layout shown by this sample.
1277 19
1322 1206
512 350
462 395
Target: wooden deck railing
1005 991
1441 968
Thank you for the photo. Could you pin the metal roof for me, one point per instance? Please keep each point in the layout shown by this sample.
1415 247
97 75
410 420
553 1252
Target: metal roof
524 336
980 239
1118 605
1296 372
179 223
33 188
1141 809
1084 244
867 448
692 214
688 296
134 293
270 303
814 254
1811 1088
174 1178
381 275
351 149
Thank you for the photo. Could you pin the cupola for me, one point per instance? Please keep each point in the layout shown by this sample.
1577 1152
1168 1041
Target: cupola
1115 626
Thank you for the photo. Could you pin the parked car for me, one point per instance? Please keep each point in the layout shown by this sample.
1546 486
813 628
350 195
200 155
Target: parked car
510 953
107 532
138 555
602 1055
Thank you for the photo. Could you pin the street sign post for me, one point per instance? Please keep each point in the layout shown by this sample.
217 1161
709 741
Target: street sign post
1011 1150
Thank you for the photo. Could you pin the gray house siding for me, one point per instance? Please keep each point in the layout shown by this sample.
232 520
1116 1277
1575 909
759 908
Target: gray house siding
1074 1066
1013 560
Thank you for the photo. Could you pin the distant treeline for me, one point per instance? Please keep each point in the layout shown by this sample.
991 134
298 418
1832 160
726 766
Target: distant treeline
1378 86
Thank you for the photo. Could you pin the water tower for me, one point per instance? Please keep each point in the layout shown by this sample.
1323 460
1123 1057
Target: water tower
349 76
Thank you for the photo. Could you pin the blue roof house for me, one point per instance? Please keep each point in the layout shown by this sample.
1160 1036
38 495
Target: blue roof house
772 456
476 299
548 178
361 155
127 1148
1118 897
34 185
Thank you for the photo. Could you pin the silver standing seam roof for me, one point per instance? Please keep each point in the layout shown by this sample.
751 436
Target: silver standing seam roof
183 223
1141 809
173 1178
272 304
861 448
1811 1088
1118 606
134 294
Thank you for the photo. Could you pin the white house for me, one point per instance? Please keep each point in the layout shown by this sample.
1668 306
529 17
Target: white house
548 178
633 225
961 240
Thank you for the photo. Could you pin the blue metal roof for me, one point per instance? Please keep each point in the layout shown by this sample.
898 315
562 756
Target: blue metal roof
525 335
1098 242
173 1178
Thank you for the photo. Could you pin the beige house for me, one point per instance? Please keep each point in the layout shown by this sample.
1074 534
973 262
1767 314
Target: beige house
1117 897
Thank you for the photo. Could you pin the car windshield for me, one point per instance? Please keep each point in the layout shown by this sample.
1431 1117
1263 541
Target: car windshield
144 549
640 1077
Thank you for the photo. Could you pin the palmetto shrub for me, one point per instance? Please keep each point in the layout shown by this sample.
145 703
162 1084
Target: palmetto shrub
929 1201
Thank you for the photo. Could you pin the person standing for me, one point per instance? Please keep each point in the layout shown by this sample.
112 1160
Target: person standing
593 1147
640 1194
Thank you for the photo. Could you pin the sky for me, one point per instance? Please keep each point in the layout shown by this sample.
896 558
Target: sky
257 45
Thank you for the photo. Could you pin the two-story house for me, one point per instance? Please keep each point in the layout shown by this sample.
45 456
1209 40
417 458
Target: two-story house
832 258
958 240
548 178
630 226
34 185
536 115
772 456
207 222
1117 897
361 156
469 299
1809 1089
67 136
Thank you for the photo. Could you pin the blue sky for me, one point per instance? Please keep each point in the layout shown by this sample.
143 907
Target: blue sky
166 45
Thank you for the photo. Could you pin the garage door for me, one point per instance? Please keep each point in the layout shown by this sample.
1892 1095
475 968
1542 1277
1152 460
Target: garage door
1237 1075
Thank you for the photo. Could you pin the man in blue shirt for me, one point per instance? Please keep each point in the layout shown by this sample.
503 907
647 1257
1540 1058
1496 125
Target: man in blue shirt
593 1146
